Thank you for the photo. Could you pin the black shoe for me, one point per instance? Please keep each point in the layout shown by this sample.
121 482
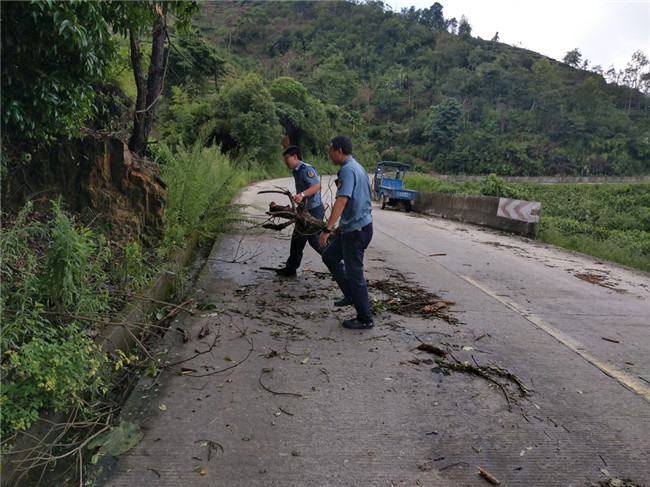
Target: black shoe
285 271
345 301
355 324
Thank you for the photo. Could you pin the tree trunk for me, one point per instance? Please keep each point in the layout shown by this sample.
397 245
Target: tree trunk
141 101
149 91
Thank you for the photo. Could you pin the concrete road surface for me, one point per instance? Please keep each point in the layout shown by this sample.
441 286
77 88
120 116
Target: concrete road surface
545 379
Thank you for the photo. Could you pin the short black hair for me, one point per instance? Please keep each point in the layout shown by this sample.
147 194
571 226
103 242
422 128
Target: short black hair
292 150
342 142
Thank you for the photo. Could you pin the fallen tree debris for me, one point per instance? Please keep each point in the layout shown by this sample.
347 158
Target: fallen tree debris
426 347
213 447
489 477
487 372
614 482
205 331
268 371
411 300
597 279
610 340
183 333
294 214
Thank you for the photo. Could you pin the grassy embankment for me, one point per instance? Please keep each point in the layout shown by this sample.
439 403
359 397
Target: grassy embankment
610 221
56 276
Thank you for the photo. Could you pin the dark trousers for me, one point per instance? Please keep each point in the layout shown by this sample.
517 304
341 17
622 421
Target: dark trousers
299 239
344 258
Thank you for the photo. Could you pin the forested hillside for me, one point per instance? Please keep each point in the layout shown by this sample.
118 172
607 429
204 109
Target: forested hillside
417 87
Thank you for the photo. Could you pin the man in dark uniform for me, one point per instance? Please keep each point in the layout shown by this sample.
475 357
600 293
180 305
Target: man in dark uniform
344 254
307 192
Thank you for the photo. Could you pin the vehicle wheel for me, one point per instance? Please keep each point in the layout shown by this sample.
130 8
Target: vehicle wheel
382 201
407 205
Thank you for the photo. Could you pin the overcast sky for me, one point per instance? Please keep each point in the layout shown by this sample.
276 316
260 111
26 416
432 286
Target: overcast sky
605 32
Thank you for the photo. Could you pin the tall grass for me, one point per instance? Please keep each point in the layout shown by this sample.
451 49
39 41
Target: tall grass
201 183
55 275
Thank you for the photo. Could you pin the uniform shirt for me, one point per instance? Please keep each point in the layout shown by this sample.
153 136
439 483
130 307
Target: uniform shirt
306 176
353 182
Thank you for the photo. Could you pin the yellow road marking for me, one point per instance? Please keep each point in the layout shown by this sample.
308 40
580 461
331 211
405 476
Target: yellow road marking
624 378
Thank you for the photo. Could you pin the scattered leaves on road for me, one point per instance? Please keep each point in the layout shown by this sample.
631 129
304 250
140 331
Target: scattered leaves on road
408 300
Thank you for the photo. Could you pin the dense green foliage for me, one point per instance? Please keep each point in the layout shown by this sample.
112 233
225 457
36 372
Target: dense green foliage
52 273
248 119
55 278
252 76
415 85
421 89
52 53
194 65
610 221
202 183
55 55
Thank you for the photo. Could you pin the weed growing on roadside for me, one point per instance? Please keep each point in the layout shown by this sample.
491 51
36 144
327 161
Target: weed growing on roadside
202 182
52 279
132 272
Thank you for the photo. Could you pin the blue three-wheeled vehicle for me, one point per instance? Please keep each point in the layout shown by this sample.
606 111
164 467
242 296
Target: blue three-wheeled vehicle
388 185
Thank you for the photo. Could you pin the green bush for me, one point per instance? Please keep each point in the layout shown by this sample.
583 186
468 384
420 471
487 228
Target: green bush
56 368
55 275
631 247
495 186
74 275
132 271
51 273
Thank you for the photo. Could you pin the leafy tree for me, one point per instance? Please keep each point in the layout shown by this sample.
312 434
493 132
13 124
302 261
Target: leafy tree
433 17
181 123
392 91
303 116
459 82
192 61
590 98
334 82
134 19
443 124
635 77
246 120
251 26
61 49
450 53
574 58
547 110
52 53
464 29
490 80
